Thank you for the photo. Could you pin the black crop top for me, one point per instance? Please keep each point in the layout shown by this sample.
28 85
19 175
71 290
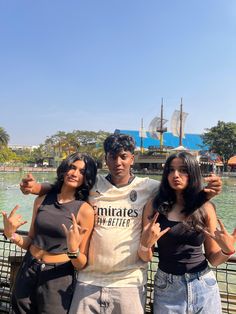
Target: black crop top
180 249
49 234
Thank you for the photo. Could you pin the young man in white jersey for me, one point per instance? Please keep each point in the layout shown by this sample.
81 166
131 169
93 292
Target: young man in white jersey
114 280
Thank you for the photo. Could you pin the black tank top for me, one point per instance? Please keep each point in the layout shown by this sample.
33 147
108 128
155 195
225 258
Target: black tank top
180 249
49 234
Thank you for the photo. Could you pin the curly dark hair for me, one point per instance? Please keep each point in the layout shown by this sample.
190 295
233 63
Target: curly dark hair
117 142
192 195
90 172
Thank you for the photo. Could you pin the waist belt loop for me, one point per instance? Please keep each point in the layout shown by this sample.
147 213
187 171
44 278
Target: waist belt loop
170 278
203 272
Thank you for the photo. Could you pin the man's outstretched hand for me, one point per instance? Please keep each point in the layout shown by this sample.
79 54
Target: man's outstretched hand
213 187
28 184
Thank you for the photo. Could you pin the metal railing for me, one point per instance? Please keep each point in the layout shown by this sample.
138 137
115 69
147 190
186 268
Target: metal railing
11 256
10 259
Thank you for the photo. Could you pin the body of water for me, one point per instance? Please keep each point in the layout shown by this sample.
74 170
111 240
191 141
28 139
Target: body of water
10 196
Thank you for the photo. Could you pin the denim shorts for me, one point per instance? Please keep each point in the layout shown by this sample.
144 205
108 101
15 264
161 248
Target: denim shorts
191 293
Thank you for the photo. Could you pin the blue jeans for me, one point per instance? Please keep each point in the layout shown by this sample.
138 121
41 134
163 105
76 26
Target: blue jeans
191 293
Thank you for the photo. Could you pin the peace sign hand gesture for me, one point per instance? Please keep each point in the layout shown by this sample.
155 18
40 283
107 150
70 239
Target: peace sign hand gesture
12 222
152 232
74 235
225 240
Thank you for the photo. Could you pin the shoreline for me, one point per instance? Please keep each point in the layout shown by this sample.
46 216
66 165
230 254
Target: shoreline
26 169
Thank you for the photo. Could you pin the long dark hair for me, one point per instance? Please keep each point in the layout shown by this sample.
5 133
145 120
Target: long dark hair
166 196
90 172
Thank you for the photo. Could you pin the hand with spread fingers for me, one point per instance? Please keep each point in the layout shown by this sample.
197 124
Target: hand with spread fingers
12 222
152 232
74 235
214 186
222 237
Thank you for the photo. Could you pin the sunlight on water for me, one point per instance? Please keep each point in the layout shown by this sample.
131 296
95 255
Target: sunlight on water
10 194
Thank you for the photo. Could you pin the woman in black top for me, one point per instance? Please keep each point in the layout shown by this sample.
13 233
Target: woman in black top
58 239
184 283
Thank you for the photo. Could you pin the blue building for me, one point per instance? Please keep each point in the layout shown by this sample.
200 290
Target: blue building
192 142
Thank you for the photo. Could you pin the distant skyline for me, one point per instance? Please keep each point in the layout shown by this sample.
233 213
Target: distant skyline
106 64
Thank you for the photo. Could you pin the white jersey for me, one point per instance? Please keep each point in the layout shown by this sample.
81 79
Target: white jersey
113 252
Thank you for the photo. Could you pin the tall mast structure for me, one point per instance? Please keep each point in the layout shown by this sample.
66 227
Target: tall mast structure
181 124
161 128
141 136
178 122
157 127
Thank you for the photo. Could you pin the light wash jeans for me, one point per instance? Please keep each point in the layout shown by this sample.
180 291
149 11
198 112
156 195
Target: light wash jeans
186 294
90 299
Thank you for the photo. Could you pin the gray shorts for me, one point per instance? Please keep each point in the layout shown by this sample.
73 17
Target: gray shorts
89 299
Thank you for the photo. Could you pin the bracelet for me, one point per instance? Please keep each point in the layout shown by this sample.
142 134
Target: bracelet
143 248
228 254
72 255
12 238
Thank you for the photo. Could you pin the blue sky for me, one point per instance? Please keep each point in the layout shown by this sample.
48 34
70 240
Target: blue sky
105 64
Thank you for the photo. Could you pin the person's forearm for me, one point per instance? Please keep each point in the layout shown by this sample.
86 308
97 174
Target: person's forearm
219 257
202 198
145 254
79 262
22 242
41 188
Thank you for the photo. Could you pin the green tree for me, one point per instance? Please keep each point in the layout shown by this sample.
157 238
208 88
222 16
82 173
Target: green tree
7 155
92 143
38 155
62 144
4 137
23 155
221 139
